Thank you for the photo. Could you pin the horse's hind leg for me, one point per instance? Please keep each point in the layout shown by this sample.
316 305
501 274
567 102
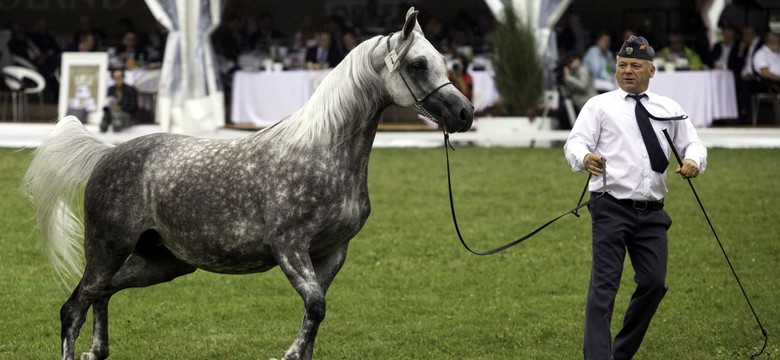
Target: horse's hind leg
97 275
147 266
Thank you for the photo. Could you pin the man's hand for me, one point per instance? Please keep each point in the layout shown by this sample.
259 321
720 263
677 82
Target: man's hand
688 170
594 164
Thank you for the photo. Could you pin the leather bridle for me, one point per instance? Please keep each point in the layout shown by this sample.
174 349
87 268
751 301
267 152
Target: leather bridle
392 61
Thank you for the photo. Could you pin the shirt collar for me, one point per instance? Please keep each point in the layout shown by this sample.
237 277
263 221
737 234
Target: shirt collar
624 94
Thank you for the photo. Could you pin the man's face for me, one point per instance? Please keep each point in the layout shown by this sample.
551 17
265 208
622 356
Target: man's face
118 77
324 40
633 75
773 41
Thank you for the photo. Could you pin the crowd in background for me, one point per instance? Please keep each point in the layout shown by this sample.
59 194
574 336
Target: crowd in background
586 62
36 46
747 47
246 42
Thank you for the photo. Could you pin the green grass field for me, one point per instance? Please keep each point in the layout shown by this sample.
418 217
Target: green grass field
409 290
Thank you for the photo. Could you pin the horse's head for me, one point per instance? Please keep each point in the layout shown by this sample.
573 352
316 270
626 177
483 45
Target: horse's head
415 77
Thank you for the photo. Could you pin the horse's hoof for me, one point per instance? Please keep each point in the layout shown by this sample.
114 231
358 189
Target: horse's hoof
89 356
291 356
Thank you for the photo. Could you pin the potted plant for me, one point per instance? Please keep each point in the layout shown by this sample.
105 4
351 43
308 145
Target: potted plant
518 79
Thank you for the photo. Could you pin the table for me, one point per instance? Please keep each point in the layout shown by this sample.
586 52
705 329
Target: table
264 98
705 96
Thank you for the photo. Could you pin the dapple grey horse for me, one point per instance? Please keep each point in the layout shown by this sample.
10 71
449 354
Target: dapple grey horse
293 195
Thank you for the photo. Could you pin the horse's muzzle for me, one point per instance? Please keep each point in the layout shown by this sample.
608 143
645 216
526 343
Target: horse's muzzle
454 111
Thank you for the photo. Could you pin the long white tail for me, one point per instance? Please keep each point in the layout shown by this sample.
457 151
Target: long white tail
59 169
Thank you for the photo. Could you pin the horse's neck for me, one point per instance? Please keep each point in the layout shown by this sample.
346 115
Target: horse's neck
343 111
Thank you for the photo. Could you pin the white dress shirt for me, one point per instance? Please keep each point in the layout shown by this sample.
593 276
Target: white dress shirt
607 126
747 69
766 58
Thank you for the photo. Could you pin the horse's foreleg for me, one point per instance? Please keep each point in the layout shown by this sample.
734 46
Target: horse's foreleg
326 269
298 268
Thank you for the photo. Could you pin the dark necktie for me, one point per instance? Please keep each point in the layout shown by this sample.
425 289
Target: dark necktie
658 160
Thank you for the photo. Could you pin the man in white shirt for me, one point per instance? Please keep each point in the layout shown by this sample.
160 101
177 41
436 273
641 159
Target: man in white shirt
615 137
766 60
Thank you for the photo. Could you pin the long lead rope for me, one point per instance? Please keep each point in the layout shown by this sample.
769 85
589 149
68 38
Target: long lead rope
744 293
573 211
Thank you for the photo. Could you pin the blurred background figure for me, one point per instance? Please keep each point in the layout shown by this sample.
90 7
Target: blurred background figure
578 81
600 62
350 41
85 42
459 77
746 84
725 53
131 52
122 103
680 56
766 62
323 55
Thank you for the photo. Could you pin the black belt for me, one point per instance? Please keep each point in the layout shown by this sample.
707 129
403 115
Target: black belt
634 204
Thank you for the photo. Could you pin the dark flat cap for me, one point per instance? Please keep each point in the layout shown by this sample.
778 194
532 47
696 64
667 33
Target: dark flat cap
637 47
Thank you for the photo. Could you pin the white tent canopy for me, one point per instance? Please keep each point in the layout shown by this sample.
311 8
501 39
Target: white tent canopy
189 99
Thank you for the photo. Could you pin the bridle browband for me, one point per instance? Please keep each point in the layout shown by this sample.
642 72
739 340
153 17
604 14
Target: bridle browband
392 60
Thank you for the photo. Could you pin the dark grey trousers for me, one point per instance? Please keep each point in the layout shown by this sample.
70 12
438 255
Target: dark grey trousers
618 229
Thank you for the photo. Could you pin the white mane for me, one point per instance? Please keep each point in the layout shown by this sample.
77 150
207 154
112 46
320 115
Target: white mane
346 98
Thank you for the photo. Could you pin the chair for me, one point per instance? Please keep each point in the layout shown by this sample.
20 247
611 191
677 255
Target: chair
767 92
22 81
20 61
758 98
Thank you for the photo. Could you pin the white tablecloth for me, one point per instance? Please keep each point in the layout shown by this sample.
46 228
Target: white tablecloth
265 98
704 95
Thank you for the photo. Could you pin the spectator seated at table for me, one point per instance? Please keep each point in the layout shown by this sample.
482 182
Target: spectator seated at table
459 77
122 104
600 61
578 81
681 56
766 62
324 55
725 53
350 41
131 52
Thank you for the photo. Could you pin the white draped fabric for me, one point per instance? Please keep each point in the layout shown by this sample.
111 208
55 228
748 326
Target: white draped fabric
189 98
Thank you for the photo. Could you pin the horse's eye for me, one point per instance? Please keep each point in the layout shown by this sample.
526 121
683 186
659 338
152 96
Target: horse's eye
418 65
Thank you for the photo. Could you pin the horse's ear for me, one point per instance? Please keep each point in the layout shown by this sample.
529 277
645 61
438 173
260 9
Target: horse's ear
411 22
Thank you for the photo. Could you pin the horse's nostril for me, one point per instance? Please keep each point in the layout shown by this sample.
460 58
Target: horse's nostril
464 115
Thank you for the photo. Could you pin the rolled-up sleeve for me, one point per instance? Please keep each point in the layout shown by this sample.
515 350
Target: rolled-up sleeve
690 146
583 137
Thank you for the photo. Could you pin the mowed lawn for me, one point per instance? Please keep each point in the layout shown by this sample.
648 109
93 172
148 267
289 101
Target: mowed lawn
410 291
